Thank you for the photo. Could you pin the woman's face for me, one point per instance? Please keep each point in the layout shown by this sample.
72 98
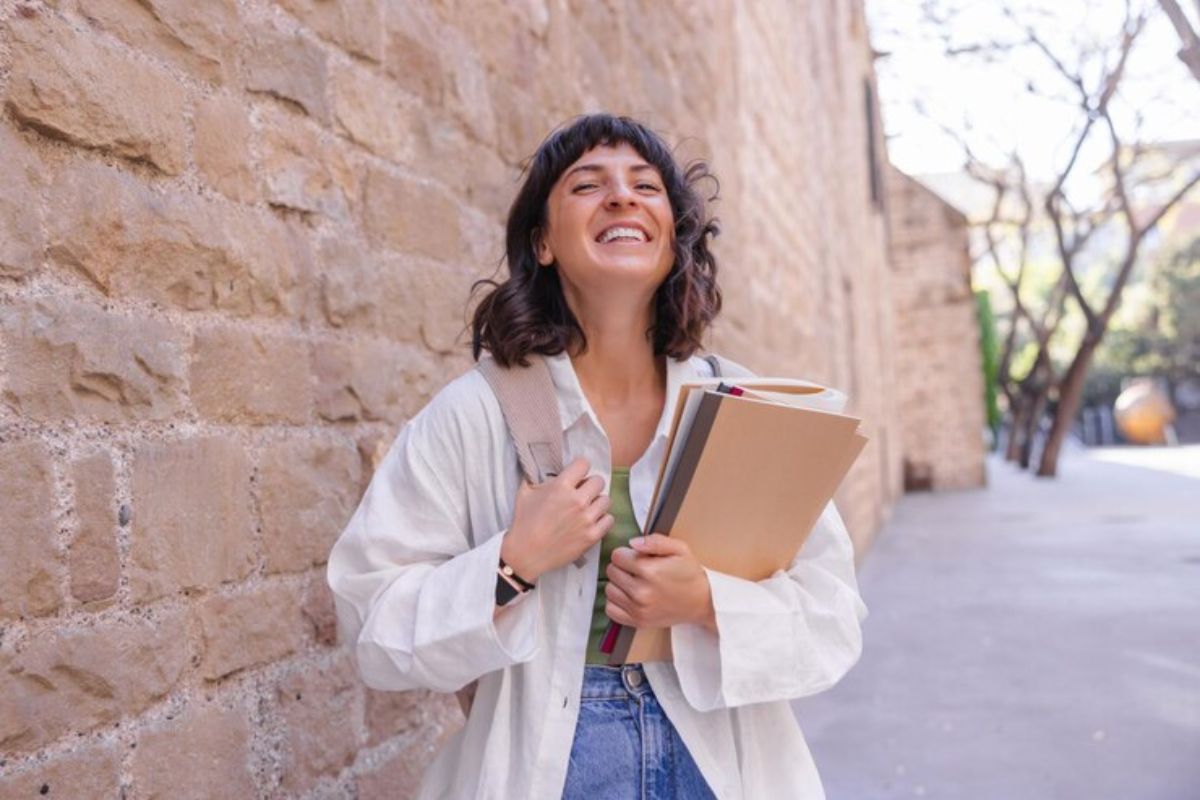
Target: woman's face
607 189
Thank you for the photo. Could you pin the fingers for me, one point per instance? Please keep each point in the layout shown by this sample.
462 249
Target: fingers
599 507
656 544
574 472
619 615
625 560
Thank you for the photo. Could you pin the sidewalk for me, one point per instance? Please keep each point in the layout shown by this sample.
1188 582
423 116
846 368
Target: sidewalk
1036 640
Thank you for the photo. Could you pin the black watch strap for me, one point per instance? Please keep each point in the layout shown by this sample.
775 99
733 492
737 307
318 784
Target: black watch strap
505 593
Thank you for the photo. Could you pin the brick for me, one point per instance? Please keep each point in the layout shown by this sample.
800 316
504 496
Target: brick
178 249
308 492
410 216
318 609
187 757
248 629
66 84
29 560
302 170
373 112
200 38
70 360
22 242
413 61
400 776
318 709
286 64
88 772
391 714
251 377
191 526
223 140
92 556
355 25
371 380
75 680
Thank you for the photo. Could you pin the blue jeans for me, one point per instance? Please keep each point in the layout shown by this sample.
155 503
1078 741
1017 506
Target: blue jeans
625 748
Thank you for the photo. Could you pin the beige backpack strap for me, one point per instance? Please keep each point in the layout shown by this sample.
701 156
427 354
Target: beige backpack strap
530 407
725 368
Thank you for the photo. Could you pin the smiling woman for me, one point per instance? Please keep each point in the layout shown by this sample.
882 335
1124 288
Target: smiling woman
455 569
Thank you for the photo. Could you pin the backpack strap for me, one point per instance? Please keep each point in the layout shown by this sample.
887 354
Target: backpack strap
530 407
723 367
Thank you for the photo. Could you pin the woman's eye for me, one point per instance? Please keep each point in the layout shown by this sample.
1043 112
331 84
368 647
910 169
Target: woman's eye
647 186
585 186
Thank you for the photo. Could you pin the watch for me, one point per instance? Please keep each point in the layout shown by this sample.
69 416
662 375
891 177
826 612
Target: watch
509 585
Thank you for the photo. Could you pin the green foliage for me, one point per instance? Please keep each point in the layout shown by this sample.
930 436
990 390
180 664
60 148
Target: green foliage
1156 331
990 353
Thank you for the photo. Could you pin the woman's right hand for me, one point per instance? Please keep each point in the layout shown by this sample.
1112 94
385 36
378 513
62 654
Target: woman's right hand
557 521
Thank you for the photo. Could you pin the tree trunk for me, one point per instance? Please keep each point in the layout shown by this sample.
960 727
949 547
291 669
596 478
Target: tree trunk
1070 395
1032 423
1017 428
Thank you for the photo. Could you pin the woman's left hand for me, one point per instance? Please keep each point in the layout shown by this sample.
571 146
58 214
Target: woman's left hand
657 582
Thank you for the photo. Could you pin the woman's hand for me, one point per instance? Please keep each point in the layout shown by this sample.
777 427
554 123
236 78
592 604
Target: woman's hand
557 521
657 582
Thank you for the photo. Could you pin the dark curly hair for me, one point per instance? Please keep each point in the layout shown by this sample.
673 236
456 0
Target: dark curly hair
528 312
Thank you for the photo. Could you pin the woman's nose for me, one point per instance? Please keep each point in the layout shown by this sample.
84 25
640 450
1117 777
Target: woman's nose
621 194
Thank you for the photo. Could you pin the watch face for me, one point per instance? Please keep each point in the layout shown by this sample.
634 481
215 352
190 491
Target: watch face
504 591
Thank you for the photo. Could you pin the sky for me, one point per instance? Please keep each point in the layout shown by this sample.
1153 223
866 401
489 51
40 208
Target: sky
993 98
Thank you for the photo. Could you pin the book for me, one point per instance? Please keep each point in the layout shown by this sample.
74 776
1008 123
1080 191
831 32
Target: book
751 464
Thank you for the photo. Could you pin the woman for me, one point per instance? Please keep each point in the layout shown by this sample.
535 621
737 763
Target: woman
612 283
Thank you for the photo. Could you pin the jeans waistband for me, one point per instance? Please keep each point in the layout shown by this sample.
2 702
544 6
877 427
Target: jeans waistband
602 682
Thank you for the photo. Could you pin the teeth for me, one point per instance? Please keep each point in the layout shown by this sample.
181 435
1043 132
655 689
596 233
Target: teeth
615 233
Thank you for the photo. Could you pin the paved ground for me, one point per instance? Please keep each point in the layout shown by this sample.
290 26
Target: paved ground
1035 640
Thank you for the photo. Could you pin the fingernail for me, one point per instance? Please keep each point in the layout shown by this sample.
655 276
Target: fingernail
637 541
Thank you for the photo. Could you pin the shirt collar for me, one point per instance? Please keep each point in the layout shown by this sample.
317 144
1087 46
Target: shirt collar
573 403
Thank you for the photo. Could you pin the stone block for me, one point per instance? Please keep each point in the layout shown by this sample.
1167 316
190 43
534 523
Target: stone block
178 249
22 243
304 171
29 559
372 111
192 527
319 610
354 25
319 709
91 771
251 377
308 490
92 556
67 84
200 38
202 754
75 680
409 216
223 140
249 629
286 64
369 380
71 360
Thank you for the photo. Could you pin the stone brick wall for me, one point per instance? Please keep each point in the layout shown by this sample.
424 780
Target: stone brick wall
940 385
236 238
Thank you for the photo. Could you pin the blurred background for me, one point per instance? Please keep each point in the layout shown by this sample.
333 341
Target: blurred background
236 244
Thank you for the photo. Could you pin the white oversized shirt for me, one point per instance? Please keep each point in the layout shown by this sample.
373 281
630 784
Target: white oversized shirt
414 579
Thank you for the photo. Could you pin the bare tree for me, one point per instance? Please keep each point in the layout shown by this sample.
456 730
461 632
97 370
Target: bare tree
1071 230
1091 73
1189 51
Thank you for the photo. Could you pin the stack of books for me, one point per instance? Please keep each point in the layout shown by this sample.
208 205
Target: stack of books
751 464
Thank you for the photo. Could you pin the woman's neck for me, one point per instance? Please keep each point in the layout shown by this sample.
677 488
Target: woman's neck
619 369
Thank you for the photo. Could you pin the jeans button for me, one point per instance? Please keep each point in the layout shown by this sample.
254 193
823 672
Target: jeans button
634 677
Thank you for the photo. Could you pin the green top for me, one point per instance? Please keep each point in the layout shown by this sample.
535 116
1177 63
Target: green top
624 529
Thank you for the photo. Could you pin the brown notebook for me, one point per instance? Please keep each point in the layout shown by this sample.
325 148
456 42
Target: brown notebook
750 481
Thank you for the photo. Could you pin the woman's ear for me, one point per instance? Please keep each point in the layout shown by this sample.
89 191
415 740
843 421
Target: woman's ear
541 250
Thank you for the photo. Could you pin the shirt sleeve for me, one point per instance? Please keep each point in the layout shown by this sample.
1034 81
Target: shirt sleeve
414 598
791 635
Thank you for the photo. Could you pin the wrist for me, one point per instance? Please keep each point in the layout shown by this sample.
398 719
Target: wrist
511 555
